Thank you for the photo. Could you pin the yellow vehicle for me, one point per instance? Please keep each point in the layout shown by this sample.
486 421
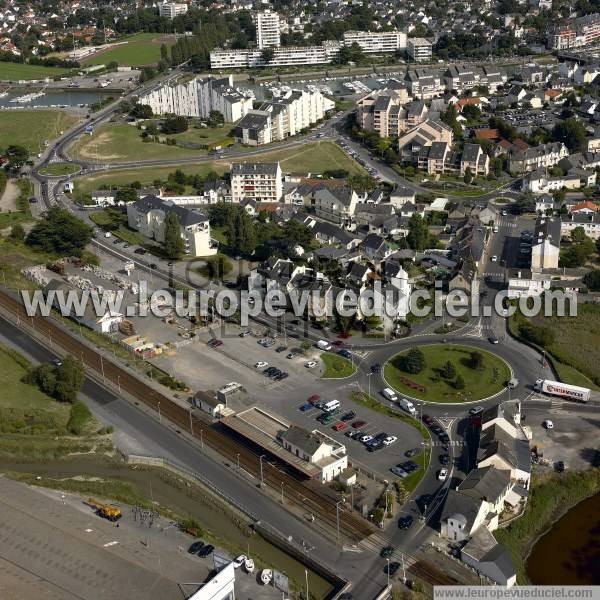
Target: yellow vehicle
106 511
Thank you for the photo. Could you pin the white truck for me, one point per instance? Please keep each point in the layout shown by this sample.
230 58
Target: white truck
408 406
556 388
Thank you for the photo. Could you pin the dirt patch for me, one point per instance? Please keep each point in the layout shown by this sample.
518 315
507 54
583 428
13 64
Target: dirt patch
8 201
90 149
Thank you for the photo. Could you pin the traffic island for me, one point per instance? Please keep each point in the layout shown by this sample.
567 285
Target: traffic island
447 373
336 367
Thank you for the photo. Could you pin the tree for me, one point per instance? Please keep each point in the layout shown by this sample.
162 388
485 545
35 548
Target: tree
17 232
592 280
418 237
174 124
571 133
413 362
459 382
578 235
448 371
216 118
468 176
164 52
60 232
267 55
476 360
141 111
126 195
17 157
173 242
69 379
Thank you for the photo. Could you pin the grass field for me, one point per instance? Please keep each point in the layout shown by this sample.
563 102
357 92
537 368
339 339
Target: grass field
336 367
23 212
576 345
139 50
32 128
60 169
10 71
478 383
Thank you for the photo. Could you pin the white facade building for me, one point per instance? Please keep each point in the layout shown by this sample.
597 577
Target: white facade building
172 9
372 42
419 49
195 97
267 29
258 181
148 215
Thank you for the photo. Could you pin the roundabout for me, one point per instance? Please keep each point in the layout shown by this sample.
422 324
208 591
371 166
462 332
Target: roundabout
447 373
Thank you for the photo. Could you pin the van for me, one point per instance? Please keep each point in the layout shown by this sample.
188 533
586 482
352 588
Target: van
331 405
408 406
389 394
323 345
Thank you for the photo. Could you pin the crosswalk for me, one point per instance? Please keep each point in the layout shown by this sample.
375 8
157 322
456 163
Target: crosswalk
493 275
507 223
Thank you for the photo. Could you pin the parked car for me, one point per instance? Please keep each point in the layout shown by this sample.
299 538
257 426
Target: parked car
311 364
244 333
261 364
281 349
366 438
476 410
282 376
193 549
206 550
427 420
409 466
314 398
292 354
339 426
348 416
359 424
389 440
306 407
412 452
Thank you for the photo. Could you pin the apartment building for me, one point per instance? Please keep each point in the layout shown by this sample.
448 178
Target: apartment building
424 83
545 250
257 181
382 111
267 29
147 215
170 10
589 223
283 56
282 117
335 204
373 42
191 96
582 31
423 135
419 49
544 155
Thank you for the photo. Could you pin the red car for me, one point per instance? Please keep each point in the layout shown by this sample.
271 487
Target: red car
338 343
314 398
339 426
216 343
358 424
427 420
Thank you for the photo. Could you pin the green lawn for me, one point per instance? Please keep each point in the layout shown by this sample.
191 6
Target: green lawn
60 169
336 367
32 128
577 343
10 71
116 222
478 383
22 406
138 50
23 212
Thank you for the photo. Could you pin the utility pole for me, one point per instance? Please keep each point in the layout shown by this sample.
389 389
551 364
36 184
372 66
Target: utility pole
261 469
191 424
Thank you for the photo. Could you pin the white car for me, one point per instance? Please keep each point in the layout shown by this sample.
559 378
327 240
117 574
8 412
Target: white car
389 440
311 364
261 364
239 561
494 258
366 438
548 424
443 473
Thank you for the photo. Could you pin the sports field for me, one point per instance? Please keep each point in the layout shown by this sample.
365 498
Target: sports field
133 51
32 128
10 71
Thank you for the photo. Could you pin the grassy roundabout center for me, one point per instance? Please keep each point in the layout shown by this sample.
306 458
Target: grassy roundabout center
447 373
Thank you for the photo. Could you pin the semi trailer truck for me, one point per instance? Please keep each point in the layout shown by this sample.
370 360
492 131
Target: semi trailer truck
565 390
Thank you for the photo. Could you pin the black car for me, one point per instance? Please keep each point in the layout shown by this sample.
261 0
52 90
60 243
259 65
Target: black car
375 368
281 349
275 373
436 429
345 353
153 266
139 251
409 466
444 459
405 522
206 550
269 370
559 466
412 452
282 375
374 447
391 568
195 547
348 416
387 552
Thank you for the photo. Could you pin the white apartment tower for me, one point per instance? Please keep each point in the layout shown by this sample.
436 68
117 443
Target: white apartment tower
172 9
256 181
267 29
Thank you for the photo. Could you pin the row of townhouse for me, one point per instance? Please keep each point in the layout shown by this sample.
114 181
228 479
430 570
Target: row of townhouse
191 96
582 31
499 483
540 181
439 158
544 155
282 117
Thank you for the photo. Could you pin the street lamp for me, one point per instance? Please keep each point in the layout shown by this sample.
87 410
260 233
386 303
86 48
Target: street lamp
261 469
337 516
282 492
238 460
159 416
369 382
119 383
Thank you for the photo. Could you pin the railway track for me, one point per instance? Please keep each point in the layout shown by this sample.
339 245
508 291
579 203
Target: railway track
299 493
431 574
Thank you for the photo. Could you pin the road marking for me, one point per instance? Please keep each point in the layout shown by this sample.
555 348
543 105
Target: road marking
107 545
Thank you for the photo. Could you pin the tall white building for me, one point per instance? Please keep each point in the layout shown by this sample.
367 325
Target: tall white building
147 215
376 41
267 29
172 9
190 96
419 49
283 117
256 181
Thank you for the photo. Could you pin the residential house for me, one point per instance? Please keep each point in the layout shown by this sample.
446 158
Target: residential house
589 223
335 204
422 136
544 155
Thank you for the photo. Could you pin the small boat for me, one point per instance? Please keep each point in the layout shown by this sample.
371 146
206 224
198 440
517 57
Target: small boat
239 561
266 575
249 565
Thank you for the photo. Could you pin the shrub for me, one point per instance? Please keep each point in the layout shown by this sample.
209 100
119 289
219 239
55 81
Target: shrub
80 416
